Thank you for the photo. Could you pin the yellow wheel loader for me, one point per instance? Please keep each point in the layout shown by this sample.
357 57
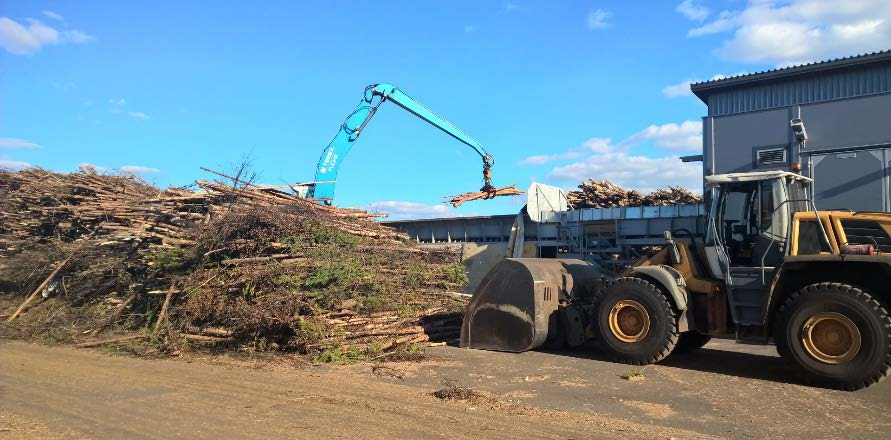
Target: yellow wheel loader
771 268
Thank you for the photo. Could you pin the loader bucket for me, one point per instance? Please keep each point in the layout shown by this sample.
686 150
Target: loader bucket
515 307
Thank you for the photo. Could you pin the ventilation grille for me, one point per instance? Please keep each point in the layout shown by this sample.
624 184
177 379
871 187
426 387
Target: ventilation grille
775 156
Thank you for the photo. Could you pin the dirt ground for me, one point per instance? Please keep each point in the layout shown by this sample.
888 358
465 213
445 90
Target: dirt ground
723 391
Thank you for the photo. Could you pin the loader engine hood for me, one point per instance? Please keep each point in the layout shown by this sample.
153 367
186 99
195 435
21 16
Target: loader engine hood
515 307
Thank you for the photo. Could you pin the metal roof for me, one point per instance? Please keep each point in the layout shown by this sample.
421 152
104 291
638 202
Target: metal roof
718 179
703 89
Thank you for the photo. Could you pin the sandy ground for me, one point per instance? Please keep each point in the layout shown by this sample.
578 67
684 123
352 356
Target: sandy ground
723 391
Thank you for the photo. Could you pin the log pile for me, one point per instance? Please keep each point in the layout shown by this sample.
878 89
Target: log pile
605 194
387 329
225 264
40 204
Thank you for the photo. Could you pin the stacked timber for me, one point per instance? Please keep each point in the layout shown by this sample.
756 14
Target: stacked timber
605 194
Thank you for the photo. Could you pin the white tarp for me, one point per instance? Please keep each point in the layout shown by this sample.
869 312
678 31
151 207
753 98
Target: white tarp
544 199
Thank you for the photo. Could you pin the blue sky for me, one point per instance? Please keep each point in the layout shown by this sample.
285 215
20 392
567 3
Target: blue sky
556 91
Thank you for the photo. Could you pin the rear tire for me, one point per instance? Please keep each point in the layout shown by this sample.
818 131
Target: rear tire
618 316
836 335
691 341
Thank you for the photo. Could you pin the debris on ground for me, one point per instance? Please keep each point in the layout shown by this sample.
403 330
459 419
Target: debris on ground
606 194
454 392
457 200
222 265
633 375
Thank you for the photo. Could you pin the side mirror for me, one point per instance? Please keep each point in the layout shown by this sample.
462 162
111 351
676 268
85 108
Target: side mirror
667 235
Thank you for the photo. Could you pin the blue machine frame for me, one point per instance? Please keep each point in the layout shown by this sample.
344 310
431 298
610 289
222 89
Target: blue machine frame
322 189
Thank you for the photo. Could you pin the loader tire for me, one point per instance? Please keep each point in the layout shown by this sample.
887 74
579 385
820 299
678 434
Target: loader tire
836 335
619 315
690 341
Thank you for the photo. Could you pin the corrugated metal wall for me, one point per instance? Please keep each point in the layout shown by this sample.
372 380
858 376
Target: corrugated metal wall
809 89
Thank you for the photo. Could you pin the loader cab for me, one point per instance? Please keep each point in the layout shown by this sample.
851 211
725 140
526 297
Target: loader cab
747 235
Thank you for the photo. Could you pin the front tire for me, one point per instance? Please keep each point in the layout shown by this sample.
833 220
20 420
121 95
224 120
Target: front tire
836 335
635 322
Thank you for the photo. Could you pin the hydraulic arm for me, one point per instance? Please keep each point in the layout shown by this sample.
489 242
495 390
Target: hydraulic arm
322 188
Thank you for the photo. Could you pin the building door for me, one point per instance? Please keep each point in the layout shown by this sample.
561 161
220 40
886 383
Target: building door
850 179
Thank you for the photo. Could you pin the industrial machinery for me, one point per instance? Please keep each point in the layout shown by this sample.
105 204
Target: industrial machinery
322 189
771 268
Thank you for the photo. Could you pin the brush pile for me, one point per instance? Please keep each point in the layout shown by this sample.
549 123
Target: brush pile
605 194
228 265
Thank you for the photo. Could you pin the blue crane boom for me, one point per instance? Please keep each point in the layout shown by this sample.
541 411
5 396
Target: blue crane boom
322 188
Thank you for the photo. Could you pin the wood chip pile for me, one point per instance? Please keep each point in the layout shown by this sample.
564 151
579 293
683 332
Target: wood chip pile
224 263
605 194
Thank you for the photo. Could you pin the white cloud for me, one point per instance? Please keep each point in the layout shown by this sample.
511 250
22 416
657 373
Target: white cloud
602 159
20 40
398 210
632 171
23 39
13 165
116 106
96 168
137 169
53 15
684 137
726 21
596 145
676 90
693 10
10 143
138 115
796 31
597 19
77 37
468 29
683 88
540 159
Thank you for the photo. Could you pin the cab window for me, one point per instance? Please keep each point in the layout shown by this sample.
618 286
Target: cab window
810 238
750 226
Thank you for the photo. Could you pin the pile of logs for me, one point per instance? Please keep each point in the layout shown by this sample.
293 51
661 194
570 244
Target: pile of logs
111 211
605 194
673 195
40 204
388 329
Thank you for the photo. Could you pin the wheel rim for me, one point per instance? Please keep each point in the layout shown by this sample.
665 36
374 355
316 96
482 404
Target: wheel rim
831 338
629 321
